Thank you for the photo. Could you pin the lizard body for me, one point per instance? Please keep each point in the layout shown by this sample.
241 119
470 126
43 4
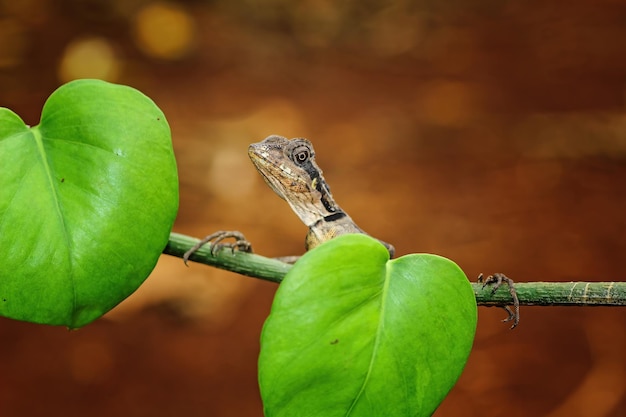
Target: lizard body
289 168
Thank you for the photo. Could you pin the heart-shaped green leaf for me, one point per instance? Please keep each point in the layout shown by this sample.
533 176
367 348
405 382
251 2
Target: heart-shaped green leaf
87 200
354 334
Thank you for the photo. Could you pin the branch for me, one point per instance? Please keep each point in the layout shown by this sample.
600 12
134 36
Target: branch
529 293
243 263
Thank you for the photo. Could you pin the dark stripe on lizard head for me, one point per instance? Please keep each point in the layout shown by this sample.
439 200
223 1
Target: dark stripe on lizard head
302 154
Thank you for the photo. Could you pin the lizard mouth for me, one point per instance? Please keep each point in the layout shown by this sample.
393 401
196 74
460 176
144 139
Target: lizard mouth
275 174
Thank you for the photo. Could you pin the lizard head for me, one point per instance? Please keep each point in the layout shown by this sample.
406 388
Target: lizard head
289 168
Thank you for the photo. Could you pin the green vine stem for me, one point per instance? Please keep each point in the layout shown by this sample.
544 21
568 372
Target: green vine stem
529 293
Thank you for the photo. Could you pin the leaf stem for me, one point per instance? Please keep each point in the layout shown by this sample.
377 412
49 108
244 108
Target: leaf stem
529 293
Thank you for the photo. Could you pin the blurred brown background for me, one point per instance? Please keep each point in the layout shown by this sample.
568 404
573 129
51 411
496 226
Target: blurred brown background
490 132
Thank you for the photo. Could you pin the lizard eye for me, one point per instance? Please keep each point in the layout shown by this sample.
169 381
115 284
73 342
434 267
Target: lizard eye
301 155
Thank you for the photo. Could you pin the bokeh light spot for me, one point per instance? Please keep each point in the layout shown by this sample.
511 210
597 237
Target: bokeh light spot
89 58
164 31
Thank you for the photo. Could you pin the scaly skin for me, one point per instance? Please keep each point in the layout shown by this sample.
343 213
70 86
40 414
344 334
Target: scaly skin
289 168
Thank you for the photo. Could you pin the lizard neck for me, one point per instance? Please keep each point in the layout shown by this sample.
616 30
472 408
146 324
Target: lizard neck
318 208
321 207
328 227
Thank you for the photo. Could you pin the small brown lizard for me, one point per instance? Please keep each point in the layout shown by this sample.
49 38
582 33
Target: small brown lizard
289 168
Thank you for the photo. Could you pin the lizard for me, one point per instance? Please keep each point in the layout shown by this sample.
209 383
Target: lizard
290 169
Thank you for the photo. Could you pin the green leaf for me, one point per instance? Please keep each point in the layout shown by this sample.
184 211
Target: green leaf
354 334
87 200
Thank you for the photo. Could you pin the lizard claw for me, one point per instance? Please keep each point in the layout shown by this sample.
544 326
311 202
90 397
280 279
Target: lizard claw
240 243
496 280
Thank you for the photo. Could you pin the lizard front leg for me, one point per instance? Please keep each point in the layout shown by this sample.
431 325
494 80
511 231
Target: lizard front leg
240 243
